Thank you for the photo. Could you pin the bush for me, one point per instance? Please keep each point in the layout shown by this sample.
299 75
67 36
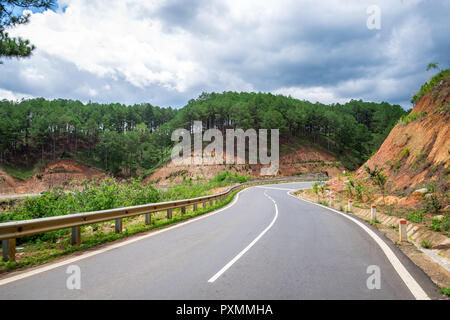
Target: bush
227 176
107 194
425 244
412 116
429 85
432 204
440 224
404 153
446 291
416 216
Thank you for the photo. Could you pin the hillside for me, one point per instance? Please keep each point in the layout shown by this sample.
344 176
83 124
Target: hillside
61 173
416 153
304 159
409 176
135 141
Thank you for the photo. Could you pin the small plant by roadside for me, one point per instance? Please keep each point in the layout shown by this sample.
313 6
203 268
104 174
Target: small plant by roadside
446 291
378 178
316 189
432 203
440 224
416 216
425 244
323 187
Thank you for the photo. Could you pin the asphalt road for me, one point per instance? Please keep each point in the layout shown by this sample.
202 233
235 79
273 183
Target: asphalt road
18 196
265 245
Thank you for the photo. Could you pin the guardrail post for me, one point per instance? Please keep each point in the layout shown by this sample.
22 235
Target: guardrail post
9 249
402 230
195 207
350 202
210 202
204 204
169 213
217 200
148 218
119 225
373 212
75 237
183 210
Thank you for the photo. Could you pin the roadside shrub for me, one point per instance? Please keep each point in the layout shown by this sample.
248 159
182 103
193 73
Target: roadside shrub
229 177
107 194
416 216
440 224
425 244
446 291
432 204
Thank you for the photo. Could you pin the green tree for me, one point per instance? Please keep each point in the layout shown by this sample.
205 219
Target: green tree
10 17
378 178
432 65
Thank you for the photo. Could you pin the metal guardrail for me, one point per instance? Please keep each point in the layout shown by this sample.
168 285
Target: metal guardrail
10 231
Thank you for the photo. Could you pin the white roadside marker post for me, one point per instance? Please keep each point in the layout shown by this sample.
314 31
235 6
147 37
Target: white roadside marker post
373 212
350 202
402 230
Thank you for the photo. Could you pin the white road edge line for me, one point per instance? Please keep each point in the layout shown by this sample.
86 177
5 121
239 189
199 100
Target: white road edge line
54 265
240 254
407 278
275 188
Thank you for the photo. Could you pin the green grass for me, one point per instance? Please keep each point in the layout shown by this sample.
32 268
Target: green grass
440 224
412 116
429 85
405 153
21 172
446 291
445 108
425 244
416 216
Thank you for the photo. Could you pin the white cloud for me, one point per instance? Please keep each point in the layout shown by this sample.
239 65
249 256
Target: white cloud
313 94
169 51
14 96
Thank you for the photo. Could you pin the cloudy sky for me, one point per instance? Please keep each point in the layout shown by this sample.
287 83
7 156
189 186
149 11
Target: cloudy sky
167 52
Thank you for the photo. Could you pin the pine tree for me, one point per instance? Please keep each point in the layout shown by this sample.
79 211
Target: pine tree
11 15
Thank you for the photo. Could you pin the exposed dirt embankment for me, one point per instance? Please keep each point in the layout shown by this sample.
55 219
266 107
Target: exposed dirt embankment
415 155
306 159
419 150
61 173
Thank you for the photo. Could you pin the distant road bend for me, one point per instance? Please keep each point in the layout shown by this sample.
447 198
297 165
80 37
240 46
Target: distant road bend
266 244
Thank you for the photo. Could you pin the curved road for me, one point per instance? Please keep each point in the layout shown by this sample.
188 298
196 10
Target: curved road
264 245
